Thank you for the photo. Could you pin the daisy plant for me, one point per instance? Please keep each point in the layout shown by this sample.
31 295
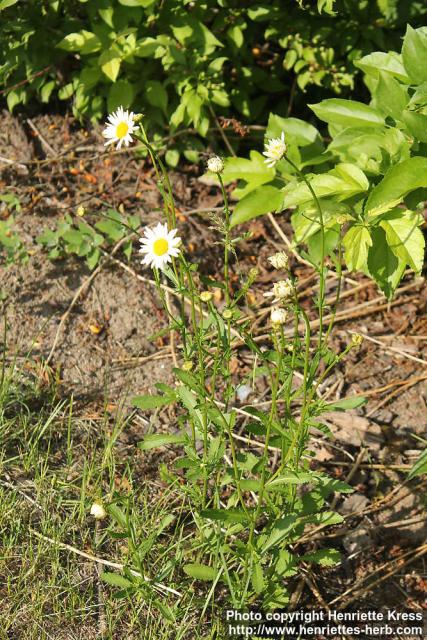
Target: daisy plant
244 470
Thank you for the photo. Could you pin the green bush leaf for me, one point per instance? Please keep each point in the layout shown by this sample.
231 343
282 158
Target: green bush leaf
378 61
344 181
414 53
390 96
253 171
83 41
347 113
262 200
356 243
383 265
404 237
121 94
399 180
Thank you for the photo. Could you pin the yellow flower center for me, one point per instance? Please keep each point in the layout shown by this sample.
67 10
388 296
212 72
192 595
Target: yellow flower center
160 246
122 129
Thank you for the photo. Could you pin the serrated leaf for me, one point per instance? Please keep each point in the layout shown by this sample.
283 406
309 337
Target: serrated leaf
160 440
257 577
225 515
151 402
324 557
116 580
280 530
200 572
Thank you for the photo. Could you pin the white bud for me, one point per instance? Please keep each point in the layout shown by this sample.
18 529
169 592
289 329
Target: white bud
279 261
215 164
278 316
283 289
98 511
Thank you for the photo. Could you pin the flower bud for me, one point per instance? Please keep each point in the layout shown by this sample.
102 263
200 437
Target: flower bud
98 511
279 260
278 316
206 296
215 164
187 366
356 339
81 211
227 314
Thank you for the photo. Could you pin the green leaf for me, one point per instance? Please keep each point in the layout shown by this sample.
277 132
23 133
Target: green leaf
200 572
152 402
280 530
416 124
262 200
404 237
137 3
347 113
399 180
324 557
115 580
344 181
345 404
253 171
420 466
110 62
257 577
296 130
383 265
289 477
7 3
390 97
156 94
325 518
356 243
121 94
225 515
83 41
160 440
172 157
414 53
378 61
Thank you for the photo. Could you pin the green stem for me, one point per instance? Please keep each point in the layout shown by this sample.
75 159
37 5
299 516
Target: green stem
322 245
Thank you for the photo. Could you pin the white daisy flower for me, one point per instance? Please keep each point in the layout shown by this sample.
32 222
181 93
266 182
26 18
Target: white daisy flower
275 149
159 245
215 164
119 128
